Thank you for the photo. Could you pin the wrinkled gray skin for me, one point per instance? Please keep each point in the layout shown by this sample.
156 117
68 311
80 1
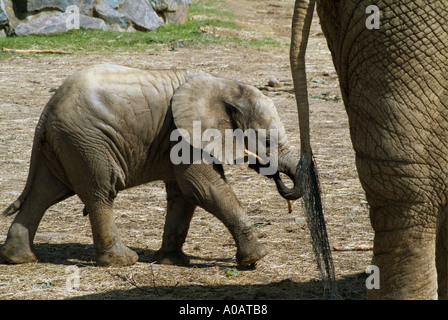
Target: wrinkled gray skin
107 128
394 83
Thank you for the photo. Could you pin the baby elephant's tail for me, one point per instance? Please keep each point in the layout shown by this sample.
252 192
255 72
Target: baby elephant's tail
16 205
13 208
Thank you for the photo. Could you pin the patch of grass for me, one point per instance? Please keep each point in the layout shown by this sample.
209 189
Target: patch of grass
230 272
327 97
205 13
216 9
261 224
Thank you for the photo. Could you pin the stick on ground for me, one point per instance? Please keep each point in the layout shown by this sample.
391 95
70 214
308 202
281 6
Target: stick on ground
35 51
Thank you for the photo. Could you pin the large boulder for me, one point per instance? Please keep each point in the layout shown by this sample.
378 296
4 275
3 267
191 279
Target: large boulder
113 19
178 16
57 22
172 11
141 13
85 6
3 17
21 17
166 5
112 3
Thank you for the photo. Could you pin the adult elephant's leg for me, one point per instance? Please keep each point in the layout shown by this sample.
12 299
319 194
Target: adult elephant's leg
404 257
442 254
395 93
405 224
400 164
177 222
206 186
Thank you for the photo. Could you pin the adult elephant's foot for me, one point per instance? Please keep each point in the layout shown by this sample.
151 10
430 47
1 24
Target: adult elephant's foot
17 254
117 255
175 257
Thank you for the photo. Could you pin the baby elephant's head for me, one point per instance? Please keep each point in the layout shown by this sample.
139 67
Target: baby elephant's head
229 123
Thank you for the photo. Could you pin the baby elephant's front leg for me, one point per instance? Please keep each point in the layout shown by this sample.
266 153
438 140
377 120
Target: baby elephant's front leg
177 222
249 250
207 186
109 248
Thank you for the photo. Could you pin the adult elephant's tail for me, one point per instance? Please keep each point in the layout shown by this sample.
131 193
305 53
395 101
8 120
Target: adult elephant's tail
301 23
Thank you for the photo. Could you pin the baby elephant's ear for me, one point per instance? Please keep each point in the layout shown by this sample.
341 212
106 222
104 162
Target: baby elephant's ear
205 102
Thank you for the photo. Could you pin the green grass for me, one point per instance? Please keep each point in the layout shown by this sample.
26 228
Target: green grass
212 9
212 13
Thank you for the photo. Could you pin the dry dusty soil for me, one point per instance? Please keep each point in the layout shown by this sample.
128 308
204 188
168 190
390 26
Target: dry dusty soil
289 271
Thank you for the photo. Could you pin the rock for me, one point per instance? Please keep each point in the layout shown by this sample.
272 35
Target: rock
165 5
12 20
86 7
61 5
113 19
274 83
3 17
57 22
21 17
179 16
172 11
114 4
142 14
30 6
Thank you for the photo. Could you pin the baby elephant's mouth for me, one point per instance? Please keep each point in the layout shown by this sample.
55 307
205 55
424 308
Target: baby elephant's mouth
287 165
293 193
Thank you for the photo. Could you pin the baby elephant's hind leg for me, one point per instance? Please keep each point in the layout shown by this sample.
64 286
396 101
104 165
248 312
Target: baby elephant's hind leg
44 190
178 218
96 179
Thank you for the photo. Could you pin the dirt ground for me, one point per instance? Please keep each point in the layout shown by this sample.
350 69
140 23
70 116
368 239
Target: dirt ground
289 271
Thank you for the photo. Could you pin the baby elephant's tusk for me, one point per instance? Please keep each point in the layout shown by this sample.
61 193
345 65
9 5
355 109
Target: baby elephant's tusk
290 206
251 154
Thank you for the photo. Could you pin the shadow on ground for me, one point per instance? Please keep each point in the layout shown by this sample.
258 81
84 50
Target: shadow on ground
351 287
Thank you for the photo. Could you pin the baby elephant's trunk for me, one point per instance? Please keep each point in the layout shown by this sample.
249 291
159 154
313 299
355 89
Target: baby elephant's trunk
289 166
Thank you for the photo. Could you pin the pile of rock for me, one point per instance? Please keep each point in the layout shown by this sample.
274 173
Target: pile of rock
23 17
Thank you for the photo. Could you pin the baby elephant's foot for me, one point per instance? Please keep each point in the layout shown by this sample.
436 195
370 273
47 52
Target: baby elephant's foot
17 254
18 247
250 253
175 257
117 255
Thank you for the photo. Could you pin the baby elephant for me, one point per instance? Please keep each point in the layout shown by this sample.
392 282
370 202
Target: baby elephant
109 128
